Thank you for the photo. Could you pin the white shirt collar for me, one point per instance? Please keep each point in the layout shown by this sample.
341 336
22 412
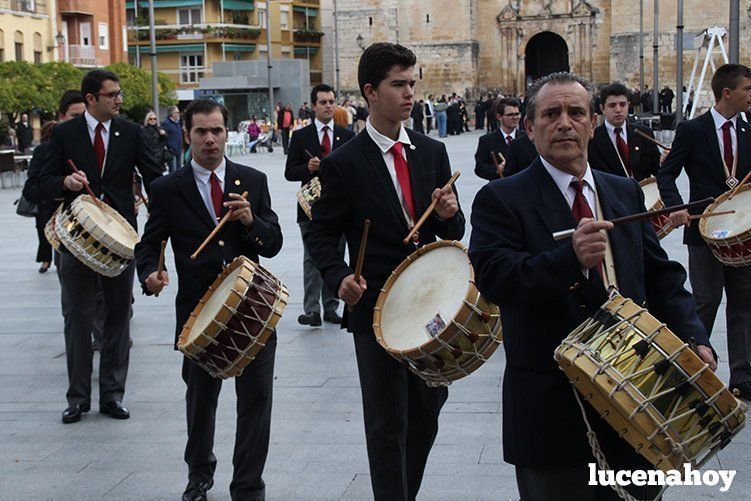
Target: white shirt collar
203 175
611 128
383 142
92 122
563 179
504 134
719 120
320 125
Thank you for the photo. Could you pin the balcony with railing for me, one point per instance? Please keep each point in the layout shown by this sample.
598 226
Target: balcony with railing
24 6
82 55
219 32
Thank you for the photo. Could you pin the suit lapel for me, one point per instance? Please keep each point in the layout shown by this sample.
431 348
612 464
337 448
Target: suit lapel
312 141
607 148
188 188
714 145
634 148
113 146
743 133
422 193
87 149
552 206
378 166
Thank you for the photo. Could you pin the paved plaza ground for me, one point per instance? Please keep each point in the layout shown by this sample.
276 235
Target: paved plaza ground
317 439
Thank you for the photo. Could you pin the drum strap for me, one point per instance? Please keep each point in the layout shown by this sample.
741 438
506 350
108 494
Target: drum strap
602 462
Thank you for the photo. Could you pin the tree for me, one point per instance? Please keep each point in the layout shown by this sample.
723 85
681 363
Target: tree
136 84
38 87
56 78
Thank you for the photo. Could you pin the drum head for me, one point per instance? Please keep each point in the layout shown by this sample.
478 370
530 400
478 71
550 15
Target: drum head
107 222
651 193
214 305
427 293
729 225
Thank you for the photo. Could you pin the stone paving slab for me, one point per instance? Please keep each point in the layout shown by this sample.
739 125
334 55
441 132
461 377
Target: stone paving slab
317 440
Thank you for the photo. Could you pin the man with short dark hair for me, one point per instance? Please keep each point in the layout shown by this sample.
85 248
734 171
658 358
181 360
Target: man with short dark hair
715 150
616 147
546 288
497 142
107 150
174 130
390 175
184 208
319 139
24 134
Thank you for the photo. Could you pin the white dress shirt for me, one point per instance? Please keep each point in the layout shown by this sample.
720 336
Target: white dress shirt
563 181
513 134
719 121
91 124
319 127
611 133
384 144
203 177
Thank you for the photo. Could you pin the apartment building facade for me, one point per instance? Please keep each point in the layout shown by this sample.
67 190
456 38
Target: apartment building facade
92 32
26 31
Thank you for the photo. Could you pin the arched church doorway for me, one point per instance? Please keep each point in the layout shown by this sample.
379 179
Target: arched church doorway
545 53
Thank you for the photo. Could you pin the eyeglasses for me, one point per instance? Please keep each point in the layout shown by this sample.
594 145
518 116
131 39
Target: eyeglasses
113 95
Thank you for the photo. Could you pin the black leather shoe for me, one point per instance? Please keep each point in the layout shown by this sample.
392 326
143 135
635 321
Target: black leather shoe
114 410
196 490
742 390
313 320
73 413
332 317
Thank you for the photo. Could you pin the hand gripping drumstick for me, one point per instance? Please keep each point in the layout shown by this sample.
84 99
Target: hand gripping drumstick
651 139
429 210
86 185
361 255
494 158
561 235
744 181
215 231
160 266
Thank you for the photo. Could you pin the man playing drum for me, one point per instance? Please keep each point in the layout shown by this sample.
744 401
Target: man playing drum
184 208
715 150
546 288
389 175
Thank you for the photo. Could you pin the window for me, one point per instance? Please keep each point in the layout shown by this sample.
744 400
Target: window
125 39
85 33
191 68
2 46
130 17
103 31
37 57
262 18
284 17
187 17
19 51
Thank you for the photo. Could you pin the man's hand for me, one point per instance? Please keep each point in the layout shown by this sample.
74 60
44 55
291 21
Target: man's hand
447 205
350 291
240 210
664 155
501 168
155 285
314 164
706 355
590 241
679 218
75 181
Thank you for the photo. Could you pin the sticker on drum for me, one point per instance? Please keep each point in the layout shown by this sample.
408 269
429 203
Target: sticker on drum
435 326
721 234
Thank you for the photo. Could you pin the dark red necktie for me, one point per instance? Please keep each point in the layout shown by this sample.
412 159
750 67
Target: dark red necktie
217 195
509 139
581 209
623 150
727 145
402 175
325 142
99 146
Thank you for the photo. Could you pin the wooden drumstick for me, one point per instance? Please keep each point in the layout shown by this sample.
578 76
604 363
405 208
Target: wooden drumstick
215 231
711 214
429 210
86 185
160 265
743 181
361 255
494 158
651 139
310 155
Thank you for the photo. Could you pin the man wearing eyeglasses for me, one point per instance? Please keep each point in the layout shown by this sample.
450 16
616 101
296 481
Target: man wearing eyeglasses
495 144
106 149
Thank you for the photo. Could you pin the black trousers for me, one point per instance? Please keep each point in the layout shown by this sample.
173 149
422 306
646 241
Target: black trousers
570 484
254 395
44 249
401 420
79 286
708 279
285 139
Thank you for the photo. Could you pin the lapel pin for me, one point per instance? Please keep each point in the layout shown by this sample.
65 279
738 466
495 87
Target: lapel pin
237 182
117 133
411 146
743 129
337 138
636 148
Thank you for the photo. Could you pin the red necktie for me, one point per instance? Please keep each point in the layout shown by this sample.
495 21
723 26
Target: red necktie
509 139
402 175
581 208
727 145
99 146
623 150
217 195
325 142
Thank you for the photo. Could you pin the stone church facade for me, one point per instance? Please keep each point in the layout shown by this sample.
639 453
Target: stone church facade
472 46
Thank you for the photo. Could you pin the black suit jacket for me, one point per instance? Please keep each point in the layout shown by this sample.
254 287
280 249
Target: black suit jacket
543 296
644 157
519 155
494 141
177 213
303 139
357 186
697 149
127 149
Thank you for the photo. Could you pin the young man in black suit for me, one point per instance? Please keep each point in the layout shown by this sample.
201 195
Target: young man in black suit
319 138
546 288
106 149
616 147
389 175
715 150
184 208
507 112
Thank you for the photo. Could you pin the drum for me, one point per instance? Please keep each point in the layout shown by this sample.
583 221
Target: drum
653 201
101 239
309 193
650 386
442 328
729 236
49 230
234 318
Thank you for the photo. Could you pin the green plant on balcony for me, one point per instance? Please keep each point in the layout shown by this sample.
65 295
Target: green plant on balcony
239 17
308 34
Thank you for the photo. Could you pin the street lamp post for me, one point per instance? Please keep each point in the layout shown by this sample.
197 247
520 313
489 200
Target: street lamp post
656 62
336 48
734 45
268 60
641 46
152 53
679 64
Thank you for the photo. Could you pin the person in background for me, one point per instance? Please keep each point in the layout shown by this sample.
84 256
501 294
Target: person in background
285 120
417 116
254 132
440 115
156 138
429 114
24 133
174 130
